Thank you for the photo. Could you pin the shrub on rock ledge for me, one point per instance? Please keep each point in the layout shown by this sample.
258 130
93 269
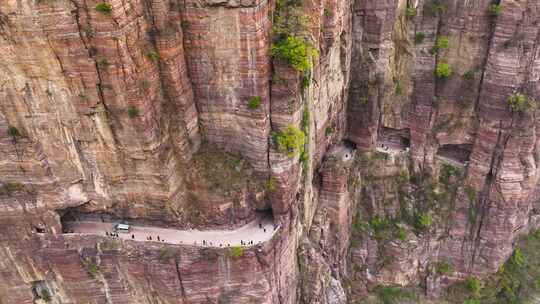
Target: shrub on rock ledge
132 112
290 141
296 51
13 132
104 8
237 251
254 102
419 37
519 102
494 9
443 70
410 12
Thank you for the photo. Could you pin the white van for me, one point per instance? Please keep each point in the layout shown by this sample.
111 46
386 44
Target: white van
121 228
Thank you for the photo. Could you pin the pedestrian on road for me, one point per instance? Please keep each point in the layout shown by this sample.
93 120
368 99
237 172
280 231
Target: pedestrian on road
264 230
203 242
107 233
133 236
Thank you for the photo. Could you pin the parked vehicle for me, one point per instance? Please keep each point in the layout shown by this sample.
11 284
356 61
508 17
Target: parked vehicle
123 228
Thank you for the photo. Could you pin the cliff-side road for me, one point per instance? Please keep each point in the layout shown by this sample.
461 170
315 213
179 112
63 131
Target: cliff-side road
212 238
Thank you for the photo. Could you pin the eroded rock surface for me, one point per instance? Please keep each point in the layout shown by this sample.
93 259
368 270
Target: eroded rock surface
166 112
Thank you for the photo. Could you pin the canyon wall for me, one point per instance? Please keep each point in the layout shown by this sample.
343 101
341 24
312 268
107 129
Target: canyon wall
167 112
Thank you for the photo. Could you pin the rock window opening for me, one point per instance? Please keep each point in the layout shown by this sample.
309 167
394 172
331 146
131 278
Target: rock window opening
455 154
393 140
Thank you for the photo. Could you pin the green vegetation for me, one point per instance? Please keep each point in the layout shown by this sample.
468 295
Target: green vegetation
419 37
443 70
296 51
237 251
270 184
398 89
469 75
132 112
444 268
519 102
474 286
13 132
401 234
45 295
410 12
290 141
153 55
441 43
306 81
254 102
304 155
328 12
91 267
305 119
471 193
363 100
393 295
494 10
447 172
104 8
291 36
423 222
328 131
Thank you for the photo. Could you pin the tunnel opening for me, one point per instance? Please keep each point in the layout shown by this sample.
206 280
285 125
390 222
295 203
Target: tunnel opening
72 215
455 153
393 140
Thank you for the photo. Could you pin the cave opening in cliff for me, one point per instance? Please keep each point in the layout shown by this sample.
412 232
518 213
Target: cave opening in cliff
75 214
457 153
394 139
349 144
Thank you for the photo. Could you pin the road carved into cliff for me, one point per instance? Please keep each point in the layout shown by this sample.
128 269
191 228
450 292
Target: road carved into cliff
253 233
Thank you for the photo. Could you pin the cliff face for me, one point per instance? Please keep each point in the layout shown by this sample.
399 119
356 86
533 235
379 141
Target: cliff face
167 112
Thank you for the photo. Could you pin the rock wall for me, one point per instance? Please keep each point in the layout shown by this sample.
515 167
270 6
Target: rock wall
142 110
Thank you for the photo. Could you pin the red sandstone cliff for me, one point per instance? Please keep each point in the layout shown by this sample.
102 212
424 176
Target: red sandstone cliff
143 114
